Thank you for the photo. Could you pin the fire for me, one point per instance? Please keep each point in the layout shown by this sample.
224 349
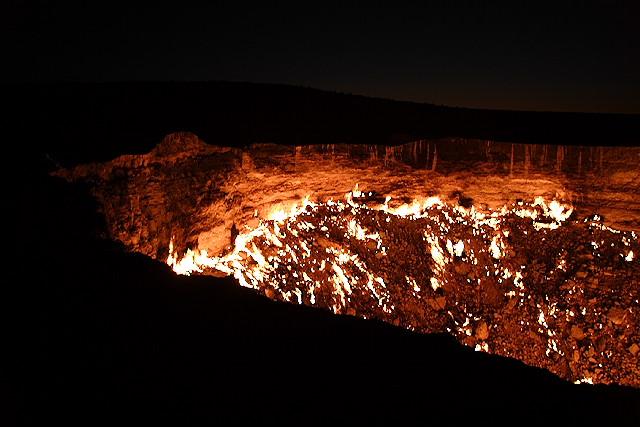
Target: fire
260 254
349 256
196 261
629 256
544 215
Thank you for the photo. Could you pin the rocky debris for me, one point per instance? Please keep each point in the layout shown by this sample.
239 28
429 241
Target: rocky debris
482 331
617 315
634 349
438 303
462 268
550 318
577 333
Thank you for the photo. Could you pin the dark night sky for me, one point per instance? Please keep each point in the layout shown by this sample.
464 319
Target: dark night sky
577 56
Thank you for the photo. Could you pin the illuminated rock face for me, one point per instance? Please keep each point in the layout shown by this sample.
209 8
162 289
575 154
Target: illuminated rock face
430 242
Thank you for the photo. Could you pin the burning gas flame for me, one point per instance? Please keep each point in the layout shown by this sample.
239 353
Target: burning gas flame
629 256
332 254
550 216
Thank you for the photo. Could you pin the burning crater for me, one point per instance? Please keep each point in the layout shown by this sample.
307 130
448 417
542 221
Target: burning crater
503 246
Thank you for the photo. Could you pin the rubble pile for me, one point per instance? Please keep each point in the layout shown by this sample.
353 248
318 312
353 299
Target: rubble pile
530 282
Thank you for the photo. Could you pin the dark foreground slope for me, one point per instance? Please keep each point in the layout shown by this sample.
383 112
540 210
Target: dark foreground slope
91 122
106 334
117 335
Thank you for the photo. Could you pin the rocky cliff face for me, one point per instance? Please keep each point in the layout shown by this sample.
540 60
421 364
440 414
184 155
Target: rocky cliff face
200 195
169 192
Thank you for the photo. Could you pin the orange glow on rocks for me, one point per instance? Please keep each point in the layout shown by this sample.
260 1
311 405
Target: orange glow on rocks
343 255
514 262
